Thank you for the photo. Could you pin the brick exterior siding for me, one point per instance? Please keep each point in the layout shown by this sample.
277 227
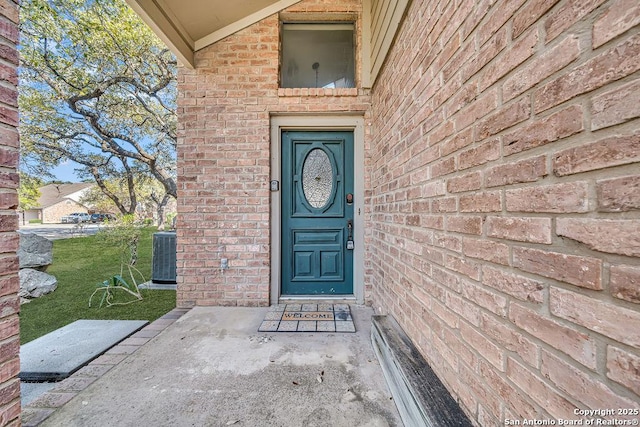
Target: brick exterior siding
224 110
9 284
505 191
502 192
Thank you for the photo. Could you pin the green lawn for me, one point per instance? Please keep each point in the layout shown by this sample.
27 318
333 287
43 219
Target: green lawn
80 264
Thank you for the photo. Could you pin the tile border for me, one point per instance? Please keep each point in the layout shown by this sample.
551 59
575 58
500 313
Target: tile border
42 407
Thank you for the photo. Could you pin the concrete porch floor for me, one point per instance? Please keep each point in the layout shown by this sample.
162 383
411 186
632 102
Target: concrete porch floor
211 367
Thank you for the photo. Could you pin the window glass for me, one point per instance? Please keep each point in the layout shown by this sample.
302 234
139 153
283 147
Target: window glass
317 56
317 178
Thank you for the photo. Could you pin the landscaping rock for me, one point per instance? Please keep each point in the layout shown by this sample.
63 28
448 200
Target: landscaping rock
35 251
34 283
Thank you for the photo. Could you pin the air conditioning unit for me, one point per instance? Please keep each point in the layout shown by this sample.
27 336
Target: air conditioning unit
164 257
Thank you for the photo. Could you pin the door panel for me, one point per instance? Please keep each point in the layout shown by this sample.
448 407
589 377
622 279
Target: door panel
317 174
317 254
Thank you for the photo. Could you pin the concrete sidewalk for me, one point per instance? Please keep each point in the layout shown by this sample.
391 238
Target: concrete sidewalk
213 368
61 231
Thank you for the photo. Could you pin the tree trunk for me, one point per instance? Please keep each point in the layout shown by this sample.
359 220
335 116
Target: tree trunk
160 210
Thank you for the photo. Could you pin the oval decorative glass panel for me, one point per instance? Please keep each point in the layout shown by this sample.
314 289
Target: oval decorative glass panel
317 178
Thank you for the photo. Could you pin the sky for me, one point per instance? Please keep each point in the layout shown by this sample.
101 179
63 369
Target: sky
64 172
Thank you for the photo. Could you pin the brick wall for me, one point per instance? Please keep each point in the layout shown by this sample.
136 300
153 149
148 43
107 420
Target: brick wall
224 109
9 284
505 182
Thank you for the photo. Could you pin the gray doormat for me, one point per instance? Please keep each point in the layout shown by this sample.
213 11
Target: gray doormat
308 318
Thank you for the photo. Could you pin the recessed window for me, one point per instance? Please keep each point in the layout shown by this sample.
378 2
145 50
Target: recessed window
317 56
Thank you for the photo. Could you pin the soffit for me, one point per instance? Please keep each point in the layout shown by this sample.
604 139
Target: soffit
187 26
190 25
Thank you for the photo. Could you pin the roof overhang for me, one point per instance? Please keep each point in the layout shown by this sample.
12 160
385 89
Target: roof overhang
190 25
187 26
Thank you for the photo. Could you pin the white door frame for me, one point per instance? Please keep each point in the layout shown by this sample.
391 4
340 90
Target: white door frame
319 123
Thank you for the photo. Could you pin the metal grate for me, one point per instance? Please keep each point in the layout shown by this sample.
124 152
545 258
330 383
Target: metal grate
164 257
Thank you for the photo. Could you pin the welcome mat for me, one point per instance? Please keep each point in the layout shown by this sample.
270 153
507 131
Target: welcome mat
308 318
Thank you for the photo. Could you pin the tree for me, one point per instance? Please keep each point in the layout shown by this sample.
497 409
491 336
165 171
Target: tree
28 192
147 196
97 88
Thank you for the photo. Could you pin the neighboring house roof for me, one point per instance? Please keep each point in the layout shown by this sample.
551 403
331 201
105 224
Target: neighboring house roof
55 193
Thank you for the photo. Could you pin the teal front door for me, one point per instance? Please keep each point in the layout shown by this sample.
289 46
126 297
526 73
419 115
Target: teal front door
317 213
